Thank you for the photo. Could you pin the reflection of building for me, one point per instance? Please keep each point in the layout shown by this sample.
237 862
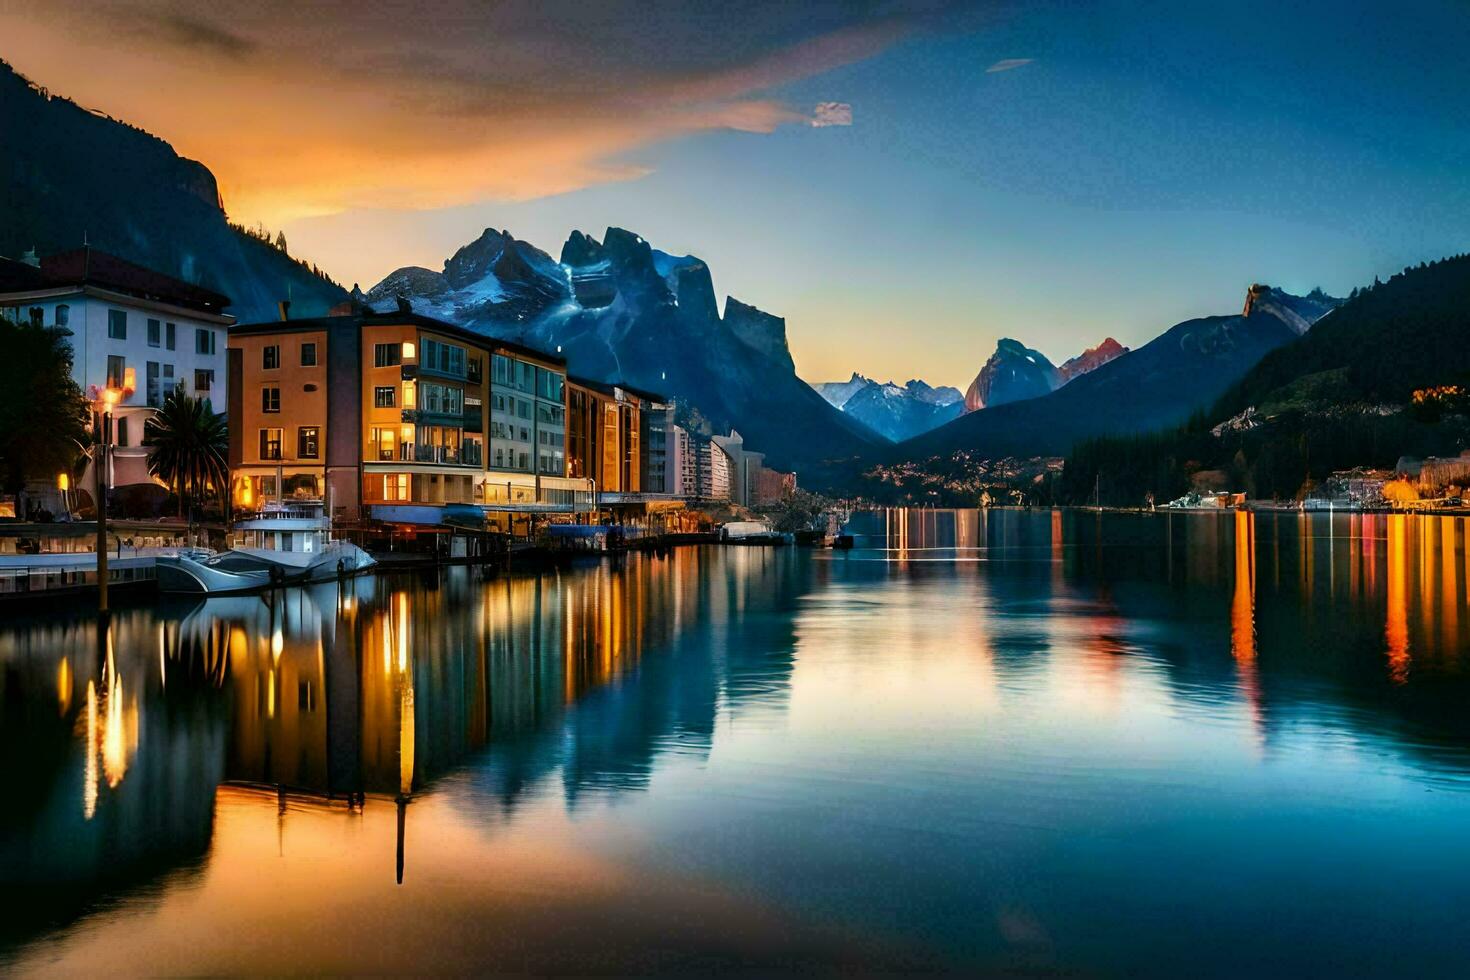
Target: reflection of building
130 327
388 411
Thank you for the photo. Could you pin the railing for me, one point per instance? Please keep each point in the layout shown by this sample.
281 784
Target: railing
467 455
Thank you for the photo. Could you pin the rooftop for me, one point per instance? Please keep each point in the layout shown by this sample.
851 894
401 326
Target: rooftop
88 266
369 318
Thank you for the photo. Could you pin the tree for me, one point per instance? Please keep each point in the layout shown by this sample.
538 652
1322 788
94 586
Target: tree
281 240
188 447
43 415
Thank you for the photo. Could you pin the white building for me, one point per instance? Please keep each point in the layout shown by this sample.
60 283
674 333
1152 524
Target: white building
127 324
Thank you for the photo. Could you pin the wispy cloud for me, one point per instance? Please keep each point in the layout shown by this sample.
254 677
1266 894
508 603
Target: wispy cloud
832 114
1006 64
356 106
190 32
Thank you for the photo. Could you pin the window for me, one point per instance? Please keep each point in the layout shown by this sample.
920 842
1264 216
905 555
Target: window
382 442
270 357
475 369
117 325
395 486
168 379
387 355
117 370
120 430
203 380
501 367
63 315
155 333
169 330
549 384
270 443
270 399
203 341
410 394
385 396
306 442
155 398
308 355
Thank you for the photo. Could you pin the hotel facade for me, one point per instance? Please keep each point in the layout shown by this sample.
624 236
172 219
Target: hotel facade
136 331
398 416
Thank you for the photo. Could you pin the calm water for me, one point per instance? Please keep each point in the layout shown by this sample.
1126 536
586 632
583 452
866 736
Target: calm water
1012 742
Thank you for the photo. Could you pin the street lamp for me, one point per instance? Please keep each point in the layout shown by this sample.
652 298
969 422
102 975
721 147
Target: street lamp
104 399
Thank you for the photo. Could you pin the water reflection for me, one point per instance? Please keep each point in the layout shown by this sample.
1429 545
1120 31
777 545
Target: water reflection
972 742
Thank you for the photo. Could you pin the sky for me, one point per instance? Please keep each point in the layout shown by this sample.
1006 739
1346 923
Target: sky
905 182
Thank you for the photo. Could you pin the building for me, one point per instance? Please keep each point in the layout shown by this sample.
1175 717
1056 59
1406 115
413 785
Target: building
773 486
657 472
398 416
715 472
604 433
746 467
132 329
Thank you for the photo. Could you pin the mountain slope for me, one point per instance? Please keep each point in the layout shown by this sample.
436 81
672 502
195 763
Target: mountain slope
621 310
1410 332
70 175
1013 373
1158 385
1383 376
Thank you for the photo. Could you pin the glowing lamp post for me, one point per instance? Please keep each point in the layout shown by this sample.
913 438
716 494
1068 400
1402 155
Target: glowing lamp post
104 399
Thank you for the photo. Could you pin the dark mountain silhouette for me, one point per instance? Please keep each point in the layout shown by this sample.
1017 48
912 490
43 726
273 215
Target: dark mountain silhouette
70 175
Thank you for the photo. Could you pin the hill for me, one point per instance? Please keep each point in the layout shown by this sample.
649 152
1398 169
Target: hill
70 175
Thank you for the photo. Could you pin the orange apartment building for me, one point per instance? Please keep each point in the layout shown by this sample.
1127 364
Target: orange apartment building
397 416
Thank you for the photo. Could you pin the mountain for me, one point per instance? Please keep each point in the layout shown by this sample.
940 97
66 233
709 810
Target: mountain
622 311
70 175
896 412
1383 375
1091 359
1154 387
837 393
1014 373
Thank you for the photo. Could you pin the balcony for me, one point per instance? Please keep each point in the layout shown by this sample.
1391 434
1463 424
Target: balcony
474 418
423 416
467 455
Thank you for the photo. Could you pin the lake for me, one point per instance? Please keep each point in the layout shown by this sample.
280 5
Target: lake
1008 742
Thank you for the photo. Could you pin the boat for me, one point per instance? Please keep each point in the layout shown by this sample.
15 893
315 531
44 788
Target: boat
751 532
285 544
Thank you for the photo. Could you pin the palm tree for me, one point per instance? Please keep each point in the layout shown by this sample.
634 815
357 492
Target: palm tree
188 447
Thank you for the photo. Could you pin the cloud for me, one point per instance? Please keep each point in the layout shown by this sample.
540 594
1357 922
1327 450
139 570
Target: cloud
1006 64
335 105
189 32
832 114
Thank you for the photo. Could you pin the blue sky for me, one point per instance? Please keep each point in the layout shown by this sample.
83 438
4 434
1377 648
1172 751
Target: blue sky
1146 164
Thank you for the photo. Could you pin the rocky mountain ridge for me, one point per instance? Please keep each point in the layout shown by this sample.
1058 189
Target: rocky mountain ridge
620 310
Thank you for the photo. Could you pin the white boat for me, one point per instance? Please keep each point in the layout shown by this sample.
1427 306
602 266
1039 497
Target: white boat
283 545
751 532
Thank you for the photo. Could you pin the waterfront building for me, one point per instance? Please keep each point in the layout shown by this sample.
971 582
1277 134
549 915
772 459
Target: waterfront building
657 474
604 435
398 416
715 472
132 329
